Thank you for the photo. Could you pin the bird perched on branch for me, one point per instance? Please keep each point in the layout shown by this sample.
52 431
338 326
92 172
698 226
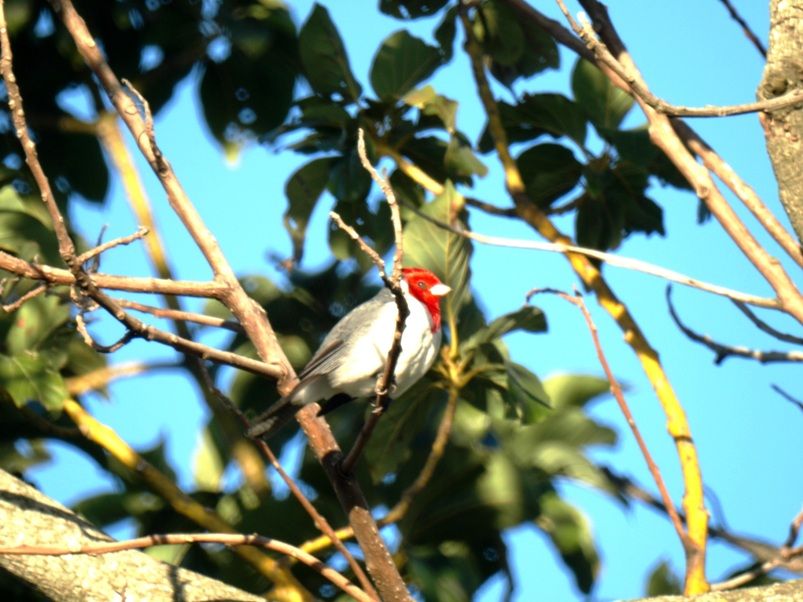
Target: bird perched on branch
352 356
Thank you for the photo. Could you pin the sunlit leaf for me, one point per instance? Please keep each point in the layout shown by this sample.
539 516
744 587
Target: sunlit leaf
574 390
445 253
604 104
430 102
29 377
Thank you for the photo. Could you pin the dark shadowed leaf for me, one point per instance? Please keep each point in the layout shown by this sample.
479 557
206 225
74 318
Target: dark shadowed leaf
570 533
390 444
324 57
303 189
604 104
411 9
549 171
526 388
555 114
402 62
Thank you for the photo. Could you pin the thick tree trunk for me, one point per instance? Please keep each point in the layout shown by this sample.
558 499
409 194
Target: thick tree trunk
784 129
27 517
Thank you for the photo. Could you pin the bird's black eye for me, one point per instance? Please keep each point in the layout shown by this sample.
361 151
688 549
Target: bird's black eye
421 284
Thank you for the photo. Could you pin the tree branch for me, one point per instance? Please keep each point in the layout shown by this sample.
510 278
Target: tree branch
616 390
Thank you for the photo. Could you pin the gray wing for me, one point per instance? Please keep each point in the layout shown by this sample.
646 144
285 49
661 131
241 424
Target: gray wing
336 344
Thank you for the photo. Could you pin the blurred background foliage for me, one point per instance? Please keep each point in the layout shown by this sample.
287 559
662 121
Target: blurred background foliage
261 77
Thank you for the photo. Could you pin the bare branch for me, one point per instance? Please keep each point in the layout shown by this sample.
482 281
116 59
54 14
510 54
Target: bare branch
762 50
385 382
15 305
62 277
123 240
177 314
763 326
722 351
787 397
626 263
228 539
616 390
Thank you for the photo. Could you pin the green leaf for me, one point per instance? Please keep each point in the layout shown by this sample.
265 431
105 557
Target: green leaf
635 146
348 180
22 231
461 162
303 189
324 57
527 318
445 34
526 389
207 464
439 250
402 62
549 172
411 9
663 581
515 48
574 390
34 322
390 445
430 102
555 114
604 104
570 533
29 377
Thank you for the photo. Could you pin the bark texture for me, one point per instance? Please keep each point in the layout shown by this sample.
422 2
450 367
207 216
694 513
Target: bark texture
27 517
791 591
784 129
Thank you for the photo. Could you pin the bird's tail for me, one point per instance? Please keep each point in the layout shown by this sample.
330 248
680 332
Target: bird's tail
274 418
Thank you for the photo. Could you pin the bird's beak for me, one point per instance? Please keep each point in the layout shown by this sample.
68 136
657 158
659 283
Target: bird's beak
440 289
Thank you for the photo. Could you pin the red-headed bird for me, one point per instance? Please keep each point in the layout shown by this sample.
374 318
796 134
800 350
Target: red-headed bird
352 356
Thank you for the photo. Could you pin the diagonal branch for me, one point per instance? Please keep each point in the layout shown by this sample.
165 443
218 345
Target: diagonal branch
616 390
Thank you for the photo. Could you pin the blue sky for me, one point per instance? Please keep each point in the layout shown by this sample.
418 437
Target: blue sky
691 53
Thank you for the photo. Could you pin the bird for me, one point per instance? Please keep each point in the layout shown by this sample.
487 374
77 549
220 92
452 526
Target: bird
351 357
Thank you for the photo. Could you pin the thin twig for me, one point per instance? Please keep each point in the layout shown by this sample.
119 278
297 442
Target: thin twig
96 379
627 263
762 50
186 316
787 397
15 305
164 486
722 351
401 507
586 32
123 240
764 327
318 519
227 539
616 390
384 384
62 277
